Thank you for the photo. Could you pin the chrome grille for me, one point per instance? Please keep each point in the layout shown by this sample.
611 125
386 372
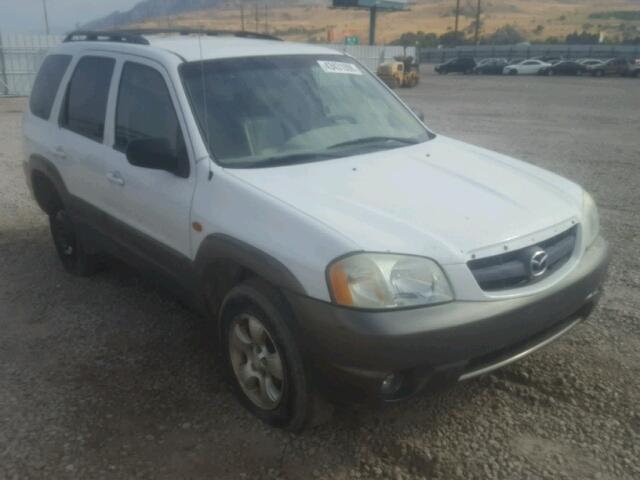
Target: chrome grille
512 269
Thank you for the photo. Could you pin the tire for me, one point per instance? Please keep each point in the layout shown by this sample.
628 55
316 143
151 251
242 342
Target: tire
257 341
513 72
396 83
550 73
69 247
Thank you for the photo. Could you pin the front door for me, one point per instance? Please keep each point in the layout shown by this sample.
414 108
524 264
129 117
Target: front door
152 207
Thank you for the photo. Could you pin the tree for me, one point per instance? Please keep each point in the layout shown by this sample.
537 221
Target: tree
419 39
506 35
582 38
451 39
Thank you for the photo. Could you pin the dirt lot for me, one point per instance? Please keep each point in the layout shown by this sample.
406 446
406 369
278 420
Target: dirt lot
108 378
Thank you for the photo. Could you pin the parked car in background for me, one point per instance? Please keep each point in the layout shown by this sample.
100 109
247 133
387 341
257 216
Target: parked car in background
565 67
491 66
552 59
588 62
527 67
456 65
634 70
613 66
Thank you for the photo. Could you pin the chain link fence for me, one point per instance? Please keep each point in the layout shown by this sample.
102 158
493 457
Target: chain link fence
21 55
570 52
20 58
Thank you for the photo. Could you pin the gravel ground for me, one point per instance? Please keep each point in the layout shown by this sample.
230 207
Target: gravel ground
107 377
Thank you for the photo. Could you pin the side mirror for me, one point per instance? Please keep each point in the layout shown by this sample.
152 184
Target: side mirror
153 153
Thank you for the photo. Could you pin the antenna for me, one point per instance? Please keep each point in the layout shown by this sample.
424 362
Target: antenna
204 101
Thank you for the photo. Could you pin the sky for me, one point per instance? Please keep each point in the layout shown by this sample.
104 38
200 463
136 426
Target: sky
28 16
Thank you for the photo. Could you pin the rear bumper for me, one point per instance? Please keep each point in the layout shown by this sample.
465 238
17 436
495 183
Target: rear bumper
351 351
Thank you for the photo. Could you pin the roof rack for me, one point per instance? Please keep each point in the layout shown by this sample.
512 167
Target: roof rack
137 35
112 36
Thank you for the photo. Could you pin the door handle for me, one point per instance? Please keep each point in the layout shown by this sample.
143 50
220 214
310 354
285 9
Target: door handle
60 153
115 177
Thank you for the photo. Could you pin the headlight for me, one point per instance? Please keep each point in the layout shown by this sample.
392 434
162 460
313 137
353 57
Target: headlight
590 219
383 281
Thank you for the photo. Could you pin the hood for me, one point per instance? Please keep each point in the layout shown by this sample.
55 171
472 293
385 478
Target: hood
442 199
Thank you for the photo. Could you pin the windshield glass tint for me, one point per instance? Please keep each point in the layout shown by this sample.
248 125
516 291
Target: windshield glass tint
303 108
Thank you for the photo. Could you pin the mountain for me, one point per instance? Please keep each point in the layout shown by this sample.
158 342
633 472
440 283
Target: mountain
149 9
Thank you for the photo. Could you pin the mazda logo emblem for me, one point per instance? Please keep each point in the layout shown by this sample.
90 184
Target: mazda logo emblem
538 263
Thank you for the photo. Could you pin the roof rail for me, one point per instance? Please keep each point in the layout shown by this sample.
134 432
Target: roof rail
106 36
137 35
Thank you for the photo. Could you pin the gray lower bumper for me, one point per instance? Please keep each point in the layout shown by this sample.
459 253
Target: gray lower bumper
463 338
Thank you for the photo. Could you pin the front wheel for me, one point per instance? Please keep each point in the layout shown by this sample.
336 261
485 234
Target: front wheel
69 247
263 361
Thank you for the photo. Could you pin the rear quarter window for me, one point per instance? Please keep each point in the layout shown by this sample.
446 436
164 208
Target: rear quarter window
47 83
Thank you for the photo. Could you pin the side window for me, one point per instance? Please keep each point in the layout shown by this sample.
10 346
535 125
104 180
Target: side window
145 110
85 104
47 83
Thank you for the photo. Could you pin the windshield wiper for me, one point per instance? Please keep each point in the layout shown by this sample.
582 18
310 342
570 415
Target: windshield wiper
378 139
290 159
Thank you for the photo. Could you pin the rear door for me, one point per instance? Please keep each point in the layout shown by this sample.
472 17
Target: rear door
79 146
39 128
153 207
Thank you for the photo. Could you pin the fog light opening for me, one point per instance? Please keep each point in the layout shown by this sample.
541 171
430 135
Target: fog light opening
391 384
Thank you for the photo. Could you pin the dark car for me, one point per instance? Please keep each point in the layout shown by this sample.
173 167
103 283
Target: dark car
634 70
458 65
564 67
613 66
491 66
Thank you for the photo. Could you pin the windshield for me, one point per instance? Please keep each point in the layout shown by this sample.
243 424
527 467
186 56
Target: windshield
263 111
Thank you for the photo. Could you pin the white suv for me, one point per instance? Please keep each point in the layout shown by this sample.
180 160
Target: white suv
340 248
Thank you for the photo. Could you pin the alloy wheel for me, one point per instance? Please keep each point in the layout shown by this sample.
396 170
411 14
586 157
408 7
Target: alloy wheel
256 362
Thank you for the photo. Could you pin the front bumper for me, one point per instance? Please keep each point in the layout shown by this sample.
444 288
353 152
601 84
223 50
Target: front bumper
351 351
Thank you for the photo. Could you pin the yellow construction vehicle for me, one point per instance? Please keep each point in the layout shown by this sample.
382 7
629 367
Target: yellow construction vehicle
399 72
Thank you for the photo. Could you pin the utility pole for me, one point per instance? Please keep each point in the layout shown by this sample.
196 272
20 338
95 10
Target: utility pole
242 16
46 16
256 5
373 14
266 18
477 22
455 28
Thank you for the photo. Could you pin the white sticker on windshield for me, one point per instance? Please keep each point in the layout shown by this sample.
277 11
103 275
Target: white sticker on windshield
339 67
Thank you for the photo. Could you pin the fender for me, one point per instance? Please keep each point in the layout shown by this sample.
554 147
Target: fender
219 246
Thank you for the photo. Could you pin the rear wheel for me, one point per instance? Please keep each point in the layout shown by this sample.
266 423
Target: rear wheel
69 245
263 360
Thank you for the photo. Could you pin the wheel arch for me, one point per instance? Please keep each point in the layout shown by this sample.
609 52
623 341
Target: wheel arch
46 184
223 261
